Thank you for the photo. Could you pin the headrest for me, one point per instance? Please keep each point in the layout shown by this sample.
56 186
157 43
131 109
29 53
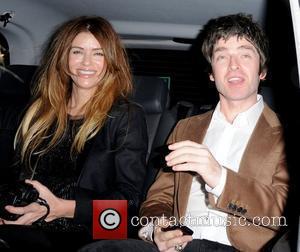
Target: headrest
151 92
268 95
14 83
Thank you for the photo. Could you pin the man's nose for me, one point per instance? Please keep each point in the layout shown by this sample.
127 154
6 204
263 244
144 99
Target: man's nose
233 63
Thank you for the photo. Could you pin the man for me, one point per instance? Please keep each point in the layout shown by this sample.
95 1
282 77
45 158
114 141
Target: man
229 180
229 164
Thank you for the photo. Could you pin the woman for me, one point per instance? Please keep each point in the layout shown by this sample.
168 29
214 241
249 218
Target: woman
80 139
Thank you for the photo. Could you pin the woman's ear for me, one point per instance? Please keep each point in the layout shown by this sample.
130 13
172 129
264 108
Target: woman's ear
211 77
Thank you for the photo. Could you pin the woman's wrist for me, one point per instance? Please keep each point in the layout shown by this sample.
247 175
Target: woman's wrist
65 208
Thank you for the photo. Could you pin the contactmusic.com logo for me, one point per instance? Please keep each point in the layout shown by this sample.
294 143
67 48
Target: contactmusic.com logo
109 219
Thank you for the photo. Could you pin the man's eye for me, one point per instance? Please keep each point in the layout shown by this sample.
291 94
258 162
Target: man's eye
246 56
221 57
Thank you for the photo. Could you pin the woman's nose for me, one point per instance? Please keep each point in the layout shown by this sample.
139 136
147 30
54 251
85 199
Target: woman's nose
86 59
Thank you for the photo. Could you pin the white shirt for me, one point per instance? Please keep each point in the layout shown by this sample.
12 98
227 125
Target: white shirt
227 143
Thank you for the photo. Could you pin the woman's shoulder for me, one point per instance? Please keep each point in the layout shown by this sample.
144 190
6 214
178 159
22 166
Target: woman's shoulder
126 106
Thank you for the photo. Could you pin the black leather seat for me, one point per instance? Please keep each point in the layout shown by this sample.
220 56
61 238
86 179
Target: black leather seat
170 117
268 95
14 95
14 84
153 94
8 127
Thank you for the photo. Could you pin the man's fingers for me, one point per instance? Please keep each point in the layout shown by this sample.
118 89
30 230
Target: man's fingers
186 143
165 236
186 158
185 167
201 151
170 244
168 240
178 240
183 150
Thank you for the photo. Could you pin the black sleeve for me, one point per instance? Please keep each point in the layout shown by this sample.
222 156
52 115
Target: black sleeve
128 164
10 118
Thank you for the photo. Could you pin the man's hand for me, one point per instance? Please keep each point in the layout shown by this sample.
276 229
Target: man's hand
166 241
191 156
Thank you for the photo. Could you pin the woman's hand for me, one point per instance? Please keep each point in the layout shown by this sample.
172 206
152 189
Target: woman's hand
34 211
29 214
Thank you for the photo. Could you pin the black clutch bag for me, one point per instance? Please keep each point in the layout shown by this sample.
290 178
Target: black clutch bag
17 194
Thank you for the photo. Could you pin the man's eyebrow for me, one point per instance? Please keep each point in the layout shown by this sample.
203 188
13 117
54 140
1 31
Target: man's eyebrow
219 49
248 47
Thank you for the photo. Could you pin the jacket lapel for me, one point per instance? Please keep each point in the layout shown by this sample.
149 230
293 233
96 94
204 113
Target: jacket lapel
259 145
195 132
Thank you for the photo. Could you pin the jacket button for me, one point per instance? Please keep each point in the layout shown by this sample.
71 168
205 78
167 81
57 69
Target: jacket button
239 210
244 211
230 206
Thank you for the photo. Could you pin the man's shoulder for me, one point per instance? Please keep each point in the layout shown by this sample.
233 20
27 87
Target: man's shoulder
205 117
271 117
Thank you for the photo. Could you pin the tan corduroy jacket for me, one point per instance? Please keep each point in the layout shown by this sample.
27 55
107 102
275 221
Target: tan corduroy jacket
257 193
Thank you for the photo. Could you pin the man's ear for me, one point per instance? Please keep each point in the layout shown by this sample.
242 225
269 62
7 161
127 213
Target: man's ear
211 77
263 75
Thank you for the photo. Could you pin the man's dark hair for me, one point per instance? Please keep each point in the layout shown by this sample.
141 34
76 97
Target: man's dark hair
240 25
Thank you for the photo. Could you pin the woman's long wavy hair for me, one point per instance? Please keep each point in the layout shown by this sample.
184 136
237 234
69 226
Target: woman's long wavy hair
46 118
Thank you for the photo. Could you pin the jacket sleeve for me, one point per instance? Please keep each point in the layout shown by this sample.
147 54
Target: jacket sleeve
259 202
126 162
160 197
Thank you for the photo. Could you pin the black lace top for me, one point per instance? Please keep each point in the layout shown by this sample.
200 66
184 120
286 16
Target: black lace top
58 171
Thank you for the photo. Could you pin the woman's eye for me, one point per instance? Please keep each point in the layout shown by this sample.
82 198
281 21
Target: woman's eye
76 52
98 54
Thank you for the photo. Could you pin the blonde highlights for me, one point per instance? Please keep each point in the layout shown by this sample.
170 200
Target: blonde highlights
47 116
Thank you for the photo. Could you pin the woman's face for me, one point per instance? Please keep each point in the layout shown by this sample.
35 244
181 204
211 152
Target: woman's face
86 63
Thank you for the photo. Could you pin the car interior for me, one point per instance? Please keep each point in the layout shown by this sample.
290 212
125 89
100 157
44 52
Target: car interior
169 73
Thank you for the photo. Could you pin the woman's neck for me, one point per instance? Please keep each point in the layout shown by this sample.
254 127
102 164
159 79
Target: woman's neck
77 102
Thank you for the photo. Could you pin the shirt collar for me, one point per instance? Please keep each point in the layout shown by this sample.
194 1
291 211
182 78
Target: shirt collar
247 118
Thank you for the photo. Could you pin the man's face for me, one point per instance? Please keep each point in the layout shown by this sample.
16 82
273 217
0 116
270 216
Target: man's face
235 70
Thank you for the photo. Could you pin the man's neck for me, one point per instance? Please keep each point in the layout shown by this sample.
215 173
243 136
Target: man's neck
230 109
